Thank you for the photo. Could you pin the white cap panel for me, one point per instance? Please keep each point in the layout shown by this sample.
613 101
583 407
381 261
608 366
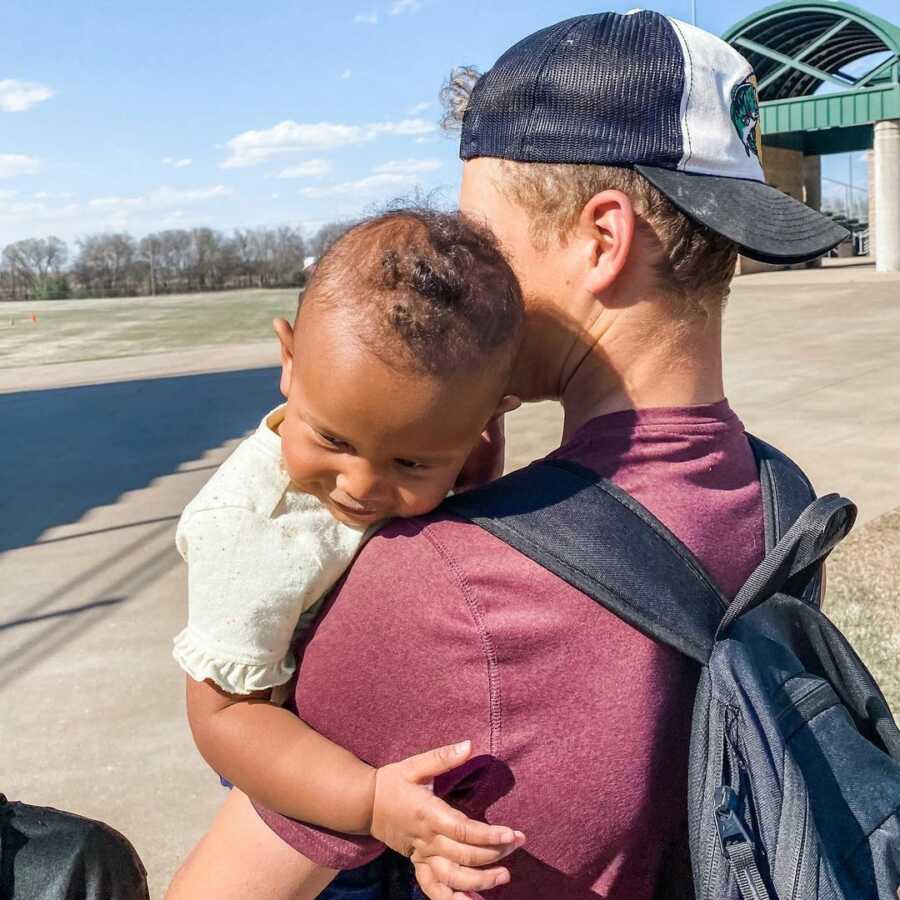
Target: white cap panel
719 108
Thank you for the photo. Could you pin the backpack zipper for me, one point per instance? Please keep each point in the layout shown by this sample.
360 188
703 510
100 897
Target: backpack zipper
799 863
728 769
730 800
728 820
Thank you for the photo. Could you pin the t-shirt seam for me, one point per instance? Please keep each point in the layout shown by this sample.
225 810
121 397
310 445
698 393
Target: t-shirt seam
672 427
487 645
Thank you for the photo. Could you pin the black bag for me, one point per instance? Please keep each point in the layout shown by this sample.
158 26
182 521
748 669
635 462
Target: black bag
46 854
794 788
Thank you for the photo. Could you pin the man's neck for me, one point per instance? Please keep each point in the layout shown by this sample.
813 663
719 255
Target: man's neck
633 359
646 364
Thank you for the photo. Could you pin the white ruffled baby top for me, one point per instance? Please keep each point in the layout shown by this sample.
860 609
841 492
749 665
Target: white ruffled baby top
259 554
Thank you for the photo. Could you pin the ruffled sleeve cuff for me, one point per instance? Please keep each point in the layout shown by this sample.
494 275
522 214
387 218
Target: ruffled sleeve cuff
233 676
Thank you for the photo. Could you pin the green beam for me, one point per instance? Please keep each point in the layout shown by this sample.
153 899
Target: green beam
793 63
845 109
810 48
867 79
822 143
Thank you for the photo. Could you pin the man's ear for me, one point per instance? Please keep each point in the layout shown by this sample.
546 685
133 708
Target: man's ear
608 218
285 334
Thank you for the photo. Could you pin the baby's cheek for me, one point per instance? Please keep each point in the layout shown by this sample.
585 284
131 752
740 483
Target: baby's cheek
424 498
299 460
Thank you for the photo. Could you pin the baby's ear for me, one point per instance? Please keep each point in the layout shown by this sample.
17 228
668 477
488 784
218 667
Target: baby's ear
507 404
285 334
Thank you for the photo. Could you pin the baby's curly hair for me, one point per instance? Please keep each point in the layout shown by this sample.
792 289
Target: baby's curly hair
426 291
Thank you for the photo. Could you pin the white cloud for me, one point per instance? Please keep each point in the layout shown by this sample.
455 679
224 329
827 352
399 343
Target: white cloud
12 164
182 163
275 195
250 148
346 73
21 215
409 166
362 185
419 108
17 96
47 195
158 199
405 6
312 168
167 160
407 126
176 163
366 18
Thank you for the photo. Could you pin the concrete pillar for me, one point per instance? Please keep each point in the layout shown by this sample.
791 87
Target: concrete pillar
871 212
785 170
812 181
887 195
812 192
795 174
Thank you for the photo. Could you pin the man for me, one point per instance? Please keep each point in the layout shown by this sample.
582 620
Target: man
616 158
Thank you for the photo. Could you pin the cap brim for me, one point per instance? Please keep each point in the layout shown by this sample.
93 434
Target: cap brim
766 224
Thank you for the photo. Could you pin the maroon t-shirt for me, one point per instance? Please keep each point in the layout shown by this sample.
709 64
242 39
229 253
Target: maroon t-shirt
580 724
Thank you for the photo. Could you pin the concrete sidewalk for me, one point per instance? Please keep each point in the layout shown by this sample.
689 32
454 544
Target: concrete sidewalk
99 458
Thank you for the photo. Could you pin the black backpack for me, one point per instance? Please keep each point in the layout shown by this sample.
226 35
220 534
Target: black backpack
794 782
48 854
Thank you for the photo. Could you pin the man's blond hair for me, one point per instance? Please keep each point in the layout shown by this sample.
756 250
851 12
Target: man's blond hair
694 266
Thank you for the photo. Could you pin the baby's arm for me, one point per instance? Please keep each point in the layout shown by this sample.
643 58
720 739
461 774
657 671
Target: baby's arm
249 578
277 759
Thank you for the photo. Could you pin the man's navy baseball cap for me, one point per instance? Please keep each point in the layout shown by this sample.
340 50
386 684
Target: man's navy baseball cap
645 91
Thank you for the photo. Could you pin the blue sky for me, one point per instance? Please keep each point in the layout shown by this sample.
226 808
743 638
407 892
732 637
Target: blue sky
167 114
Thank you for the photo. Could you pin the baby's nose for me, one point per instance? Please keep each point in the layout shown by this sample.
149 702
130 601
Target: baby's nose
362 483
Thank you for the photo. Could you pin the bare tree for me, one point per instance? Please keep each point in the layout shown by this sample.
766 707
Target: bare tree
322 240
174 260
34 266
108 264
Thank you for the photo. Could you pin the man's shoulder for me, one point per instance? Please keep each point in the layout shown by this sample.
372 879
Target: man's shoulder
432 575
416 571
439 540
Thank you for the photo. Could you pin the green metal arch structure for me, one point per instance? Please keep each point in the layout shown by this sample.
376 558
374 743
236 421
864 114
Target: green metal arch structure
796 46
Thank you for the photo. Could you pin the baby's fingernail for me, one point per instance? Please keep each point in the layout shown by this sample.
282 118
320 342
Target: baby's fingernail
506 836
462 748
502 878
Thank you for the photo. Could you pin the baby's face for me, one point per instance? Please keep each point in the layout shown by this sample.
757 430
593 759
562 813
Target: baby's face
369 441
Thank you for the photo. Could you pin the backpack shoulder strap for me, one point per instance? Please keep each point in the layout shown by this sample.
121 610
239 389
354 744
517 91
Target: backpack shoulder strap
600 540
786 491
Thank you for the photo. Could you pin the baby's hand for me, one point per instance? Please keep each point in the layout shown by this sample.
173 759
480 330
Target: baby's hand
444 844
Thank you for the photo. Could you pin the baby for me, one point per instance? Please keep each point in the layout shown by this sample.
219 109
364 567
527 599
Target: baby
394 370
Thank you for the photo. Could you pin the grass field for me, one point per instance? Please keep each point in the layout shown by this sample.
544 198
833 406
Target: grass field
75 330
863 598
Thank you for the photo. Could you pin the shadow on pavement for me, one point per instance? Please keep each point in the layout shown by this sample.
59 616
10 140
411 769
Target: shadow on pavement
146 559
68 450
69 611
